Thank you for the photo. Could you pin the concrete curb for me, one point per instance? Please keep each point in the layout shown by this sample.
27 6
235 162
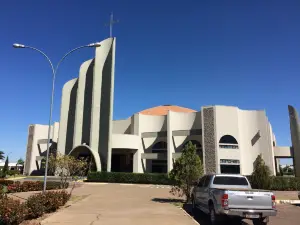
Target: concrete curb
188 215
131 184
287 202
15 178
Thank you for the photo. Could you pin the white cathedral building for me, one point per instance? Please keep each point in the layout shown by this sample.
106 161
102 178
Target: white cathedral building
228 139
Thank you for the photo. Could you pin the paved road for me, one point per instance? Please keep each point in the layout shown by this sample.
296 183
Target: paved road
287 214
114 204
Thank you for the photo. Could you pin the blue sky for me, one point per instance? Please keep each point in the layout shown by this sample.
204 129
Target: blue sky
189 53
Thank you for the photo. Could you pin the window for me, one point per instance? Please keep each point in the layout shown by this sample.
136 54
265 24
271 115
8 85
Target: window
228 139
229 142
160 166
160 146
223 180
230 169
207 181
201 181
229 146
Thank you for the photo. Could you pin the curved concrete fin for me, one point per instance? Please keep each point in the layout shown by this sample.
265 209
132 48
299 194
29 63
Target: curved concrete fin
67 115
82 102
102 101
295 137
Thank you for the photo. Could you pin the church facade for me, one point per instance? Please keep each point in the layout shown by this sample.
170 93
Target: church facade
227 139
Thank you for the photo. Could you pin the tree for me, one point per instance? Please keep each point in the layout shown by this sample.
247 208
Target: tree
280 171
67 167
186 171
2 155
20 162
5 168
261 176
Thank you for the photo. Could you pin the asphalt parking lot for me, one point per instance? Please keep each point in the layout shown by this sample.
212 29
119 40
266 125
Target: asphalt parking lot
287 214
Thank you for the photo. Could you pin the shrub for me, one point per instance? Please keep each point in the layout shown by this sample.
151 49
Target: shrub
54 199
15 187
285 184
261 176
13 172
41 203
186 171
135 178
32 186
53 185
11 211
281 183
35 205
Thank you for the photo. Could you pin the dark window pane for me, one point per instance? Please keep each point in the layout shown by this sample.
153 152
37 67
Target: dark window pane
228 139
223 180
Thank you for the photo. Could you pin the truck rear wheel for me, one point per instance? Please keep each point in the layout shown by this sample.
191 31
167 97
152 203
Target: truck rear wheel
214 218
194 208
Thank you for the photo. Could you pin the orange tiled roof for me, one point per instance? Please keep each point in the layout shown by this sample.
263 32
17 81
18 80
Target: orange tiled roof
163 110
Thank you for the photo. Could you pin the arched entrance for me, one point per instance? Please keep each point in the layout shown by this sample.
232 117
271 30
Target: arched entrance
85 152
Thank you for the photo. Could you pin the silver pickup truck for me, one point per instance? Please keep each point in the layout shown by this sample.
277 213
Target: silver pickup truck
231 196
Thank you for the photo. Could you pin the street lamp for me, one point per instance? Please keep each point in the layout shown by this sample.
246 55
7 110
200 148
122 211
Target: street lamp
54 71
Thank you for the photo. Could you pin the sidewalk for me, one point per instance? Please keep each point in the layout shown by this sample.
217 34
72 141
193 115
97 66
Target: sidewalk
113 204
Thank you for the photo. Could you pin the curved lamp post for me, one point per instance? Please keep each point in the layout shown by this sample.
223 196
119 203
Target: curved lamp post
54 71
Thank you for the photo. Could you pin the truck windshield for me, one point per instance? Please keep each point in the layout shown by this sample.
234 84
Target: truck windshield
223 180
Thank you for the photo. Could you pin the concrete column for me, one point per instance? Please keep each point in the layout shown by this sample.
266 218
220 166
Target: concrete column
55 132
171 148
135 130
64 113
277 165
80 103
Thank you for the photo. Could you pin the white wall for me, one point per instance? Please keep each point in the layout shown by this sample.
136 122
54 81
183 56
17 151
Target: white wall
227 123
126 141
121 126
243 125
40 132
148 123
250 122
185 121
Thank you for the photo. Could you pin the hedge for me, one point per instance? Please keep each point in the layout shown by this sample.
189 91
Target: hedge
134 178
13 212
26 186
277 183
280 183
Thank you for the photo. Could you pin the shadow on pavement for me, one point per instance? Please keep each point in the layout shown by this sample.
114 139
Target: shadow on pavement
200 217
168 200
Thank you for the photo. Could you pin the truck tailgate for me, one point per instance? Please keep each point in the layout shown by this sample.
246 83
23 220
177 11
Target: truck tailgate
249 199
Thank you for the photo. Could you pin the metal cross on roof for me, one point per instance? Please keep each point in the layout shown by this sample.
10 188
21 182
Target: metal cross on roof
111 23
